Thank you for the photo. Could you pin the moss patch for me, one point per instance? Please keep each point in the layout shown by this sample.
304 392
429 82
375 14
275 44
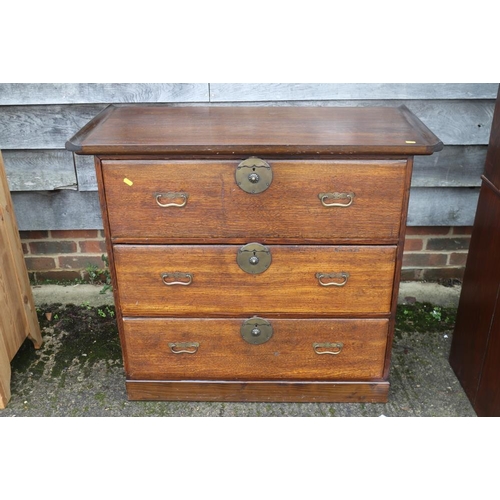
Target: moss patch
424 317
74 336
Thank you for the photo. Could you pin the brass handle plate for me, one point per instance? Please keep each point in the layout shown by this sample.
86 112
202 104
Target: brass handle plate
253 258
187 278
336 196
184 347
256 330
171 196
253 175
334 347
332 276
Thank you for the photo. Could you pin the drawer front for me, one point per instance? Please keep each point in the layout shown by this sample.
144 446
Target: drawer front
205 201
206 280
216 350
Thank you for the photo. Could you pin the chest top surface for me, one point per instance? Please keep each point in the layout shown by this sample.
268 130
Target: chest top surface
238 130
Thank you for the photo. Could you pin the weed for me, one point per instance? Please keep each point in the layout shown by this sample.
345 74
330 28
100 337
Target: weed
424 317
436 313
107 275
93 273
97 275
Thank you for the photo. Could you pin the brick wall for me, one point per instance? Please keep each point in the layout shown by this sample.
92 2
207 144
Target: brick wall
62 255
435 253
431 253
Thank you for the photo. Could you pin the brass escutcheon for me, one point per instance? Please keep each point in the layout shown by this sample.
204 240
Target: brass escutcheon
253 258
253 175
256 330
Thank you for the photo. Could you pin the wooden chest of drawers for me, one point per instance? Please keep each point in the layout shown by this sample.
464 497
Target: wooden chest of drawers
255 251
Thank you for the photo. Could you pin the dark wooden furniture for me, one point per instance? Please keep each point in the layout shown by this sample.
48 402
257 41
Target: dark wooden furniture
255 251
475 349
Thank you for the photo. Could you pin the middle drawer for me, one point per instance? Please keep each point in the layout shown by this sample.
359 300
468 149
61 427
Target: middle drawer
206 280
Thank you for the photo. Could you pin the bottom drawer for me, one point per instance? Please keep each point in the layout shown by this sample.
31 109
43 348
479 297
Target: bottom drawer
212 349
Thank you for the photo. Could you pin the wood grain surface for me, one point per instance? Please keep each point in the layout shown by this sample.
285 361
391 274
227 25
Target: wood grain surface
80 210
85 172
487 401
453 166
224 354
5 370
475 349
33 117
49 127
40 170
254 130
442 206
479 297
78 93
220 288
43 127
57 210
17 300
18 318
290 210
285 392
82 93
347 91
492 164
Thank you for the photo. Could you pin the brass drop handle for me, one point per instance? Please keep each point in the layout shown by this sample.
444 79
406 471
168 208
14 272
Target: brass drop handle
184 347
332 276
186 277
334 347
336 196
172 196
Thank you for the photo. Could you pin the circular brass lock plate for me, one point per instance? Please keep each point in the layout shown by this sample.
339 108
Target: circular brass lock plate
253 175
256 330
253 258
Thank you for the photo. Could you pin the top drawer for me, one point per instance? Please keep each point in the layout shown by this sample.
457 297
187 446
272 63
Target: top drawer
307 201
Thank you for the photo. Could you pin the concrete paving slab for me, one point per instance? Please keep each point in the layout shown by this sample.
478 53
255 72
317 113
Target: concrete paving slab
79 294
435 293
